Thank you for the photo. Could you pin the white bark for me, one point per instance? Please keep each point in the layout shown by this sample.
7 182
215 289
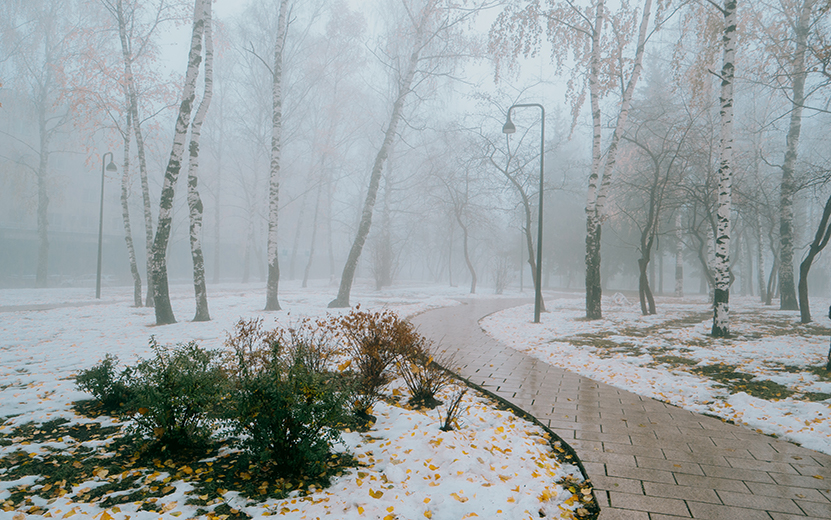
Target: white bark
721 268
596 198
272 286
164 312
194 200
125 209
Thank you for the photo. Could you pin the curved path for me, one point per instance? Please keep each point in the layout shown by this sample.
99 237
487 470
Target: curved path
647 459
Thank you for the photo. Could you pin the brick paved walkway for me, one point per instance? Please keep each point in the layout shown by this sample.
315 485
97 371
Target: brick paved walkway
647 459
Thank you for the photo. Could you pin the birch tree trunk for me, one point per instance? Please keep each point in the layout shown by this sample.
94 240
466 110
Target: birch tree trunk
404 85
594 289
272 302
164 312
194 200
787 190
132 94
679 258
721 292
125 211
596 199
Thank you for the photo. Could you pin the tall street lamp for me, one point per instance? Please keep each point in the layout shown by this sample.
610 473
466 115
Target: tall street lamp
509 128
111 167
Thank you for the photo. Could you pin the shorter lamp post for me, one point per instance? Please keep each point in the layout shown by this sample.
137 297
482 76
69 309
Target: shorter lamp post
111 167
509 128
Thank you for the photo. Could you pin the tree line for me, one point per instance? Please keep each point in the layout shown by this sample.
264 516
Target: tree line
683 125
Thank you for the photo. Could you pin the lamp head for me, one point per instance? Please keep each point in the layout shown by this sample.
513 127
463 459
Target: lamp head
112 167
508 127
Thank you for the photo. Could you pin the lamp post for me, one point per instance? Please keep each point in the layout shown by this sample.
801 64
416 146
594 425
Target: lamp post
111 167
509 128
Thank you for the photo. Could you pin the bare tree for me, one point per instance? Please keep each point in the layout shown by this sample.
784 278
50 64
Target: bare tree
599 44
428 42
44 35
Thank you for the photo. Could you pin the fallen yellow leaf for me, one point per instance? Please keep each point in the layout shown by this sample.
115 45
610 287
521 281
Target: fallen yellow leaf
375 494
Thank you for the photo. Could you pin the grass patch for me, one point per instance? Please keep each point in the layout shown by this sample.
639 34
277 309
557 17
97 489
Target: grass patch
735 382
814 396
606 347
674 361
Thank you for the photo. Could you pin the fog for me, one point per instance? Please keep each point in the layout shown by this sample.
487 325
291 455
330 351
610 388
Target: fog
409 98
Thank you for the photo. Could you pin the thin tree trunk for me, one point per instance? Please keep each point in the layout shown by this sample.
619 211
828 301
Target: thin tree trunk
679 258
404 86
164 312
721 293
450 258
820 241
136 122
467 254
272 302
596 199
760 260
218 198
195 208
297 233
329 237
787 294
42 273
125 212
313 237
246 257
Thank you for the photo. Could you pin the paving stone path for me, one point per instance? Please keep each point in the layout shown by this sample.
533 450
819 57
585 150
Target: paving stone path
647 459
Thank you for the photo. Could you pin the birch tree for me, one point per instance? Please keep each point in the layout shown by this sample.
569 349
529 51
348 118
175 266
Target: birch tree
194 200
272 302
599 45
138 25
721 267
164 312
783 30
429 44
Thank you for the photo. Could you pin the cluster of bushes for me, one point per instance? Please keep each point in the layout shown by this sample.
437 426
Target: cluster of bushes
283 396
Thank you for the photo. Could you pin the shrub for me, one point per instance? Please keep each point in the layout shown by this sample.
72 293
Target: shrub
110 388
451 417
177 394
286 401
374 342
422 372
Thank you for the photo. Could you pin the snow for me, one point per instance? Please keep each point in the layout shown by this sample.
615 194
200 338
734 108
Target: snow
764 342
495 466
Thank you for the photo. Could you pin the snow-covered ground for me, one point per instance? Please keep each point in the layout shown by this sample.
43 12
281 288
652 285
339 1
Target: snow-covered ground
495 466
669 356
